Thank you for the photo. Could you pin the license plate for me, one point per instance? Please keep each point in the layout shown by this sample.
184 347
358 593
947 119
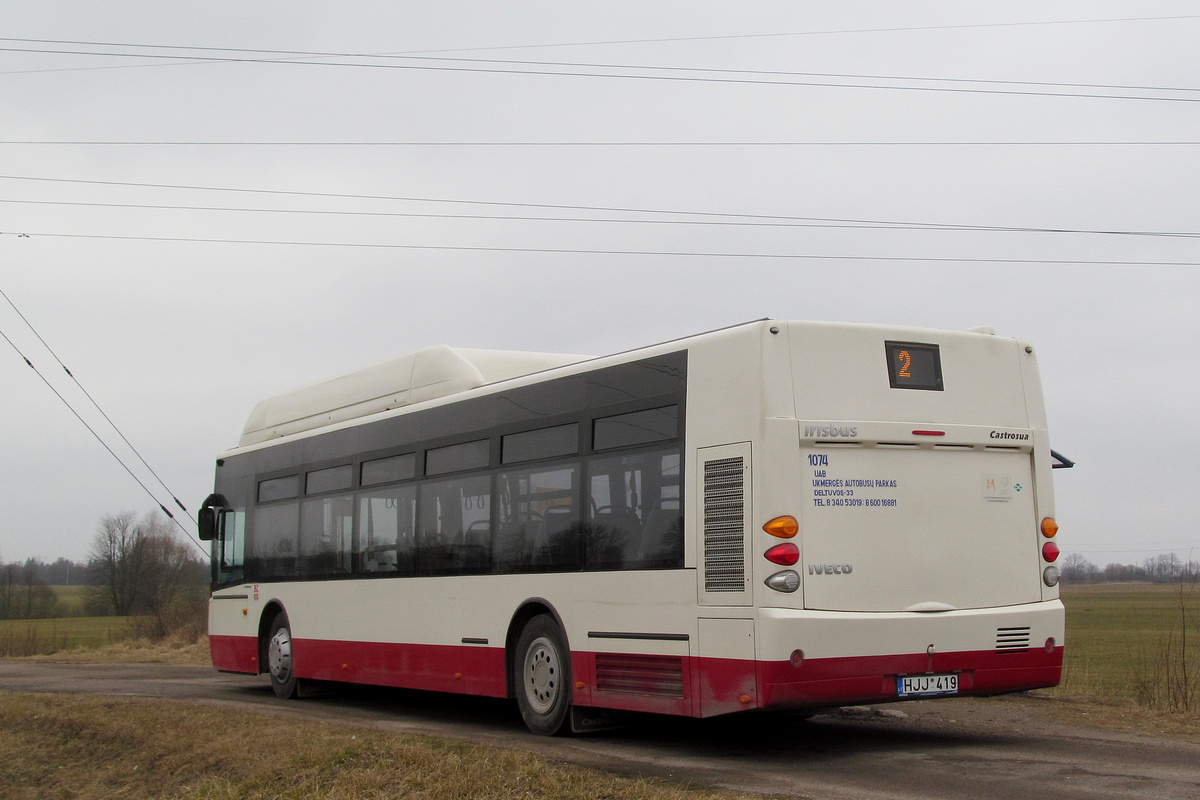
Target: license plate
925 685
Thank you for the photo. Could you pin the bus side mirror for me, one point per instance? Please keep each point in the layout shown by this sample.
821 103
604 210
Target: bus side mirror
207 522
209 518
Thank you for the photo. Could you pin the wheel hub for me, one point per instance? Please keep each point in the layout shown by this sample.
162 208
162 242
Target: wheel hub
542 675
279 655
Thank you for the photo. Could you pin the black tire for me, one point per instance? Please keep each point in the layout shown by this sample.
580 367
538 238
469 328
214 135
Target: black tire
281 664
542 677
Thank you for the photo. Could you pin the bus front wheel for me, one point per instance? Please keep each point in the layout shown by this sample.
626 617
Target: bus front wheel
542 668
280 663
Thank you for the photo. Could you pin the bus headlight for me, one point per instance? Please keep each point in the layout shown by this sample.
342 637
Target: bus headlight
786 581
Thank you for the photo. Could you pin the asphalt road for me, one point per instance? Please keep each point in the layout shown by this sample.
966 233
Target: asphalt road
964 748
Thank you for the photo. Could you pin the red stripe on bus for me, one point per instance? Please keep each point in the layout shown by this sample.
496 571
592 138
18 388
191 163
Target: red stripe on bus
710 686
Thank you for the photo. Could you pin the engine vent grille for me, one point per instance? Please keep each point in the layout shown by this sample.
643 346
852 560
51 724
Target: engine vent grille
627 673
724 532
1012 640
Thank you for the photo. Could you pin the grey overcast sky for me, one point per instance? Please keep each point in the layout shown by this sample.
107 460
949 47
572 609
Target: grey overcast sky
205 204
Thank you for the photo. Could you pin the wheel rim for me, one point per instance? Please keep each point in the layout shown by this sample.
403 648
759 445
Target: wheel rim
279 655
542 675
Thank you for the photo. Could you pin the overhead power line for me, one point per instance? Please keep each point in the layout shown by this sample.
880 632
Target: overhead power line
701 215
94 403
842 143
603 252
93 431
764 221
734 36
830 32
611 71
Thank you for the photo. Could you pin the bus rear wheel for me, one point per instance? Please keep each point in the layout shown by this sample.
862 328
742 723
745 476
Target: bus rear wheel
280 663
541 665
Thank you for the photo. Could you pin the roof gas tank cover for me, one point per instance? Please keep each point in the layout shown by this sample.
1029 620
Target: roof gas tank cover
414 378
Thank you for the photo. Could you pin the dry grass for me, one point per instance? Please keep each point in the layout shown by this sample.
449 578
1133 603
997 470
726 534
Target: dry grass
172 650
60 746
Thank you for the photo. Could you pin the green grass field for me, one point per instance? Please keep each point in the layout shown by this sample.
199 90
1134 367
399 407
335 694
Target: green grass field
1133 641
70 599
31 637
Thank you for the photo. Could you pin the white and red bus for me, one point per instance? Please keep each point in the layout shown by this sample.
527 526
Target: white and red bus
774 515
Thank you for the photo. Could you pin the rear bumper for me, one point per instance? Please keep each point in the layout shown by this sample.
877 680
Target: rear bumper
872 679
809 659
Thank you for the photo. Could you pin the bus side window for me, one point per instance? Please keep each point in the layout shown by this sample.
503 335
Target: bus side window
538 519
636 522
274 541
326 536
455 534
387 521
231 536
662 539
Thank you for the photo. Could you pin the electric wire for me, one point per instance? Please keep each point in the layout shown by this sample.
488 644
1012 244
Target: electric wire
103 443
92 400
627 72
293 55
792 222
833 32
294 143
606 209
719 37
584 251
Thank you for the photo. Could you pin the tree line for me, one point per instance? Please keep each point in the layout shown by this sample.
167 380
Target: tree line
136 567
1163 568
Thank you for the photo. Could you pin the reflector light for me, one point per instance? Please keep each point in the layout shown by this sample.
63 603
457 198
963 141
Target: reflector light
785 554
1050 552
1049 527
786 581
929 433
1050 645
1050 576
784 527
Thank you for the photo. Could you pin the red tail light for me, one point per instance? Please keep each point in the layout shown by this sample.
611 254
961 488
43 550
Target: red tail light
785 554
1050 552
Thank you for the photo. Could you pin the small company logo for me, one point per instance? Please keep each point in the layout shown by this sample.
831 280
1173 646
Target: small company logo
830 569
1019 437
831 430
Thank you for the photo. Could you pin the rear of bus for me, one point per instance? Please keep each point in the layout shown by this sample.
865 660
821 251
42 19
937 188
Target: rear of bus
916 465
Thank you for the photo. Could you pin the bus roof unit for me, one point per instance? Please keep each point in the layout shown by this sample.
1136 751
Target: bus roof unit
425 375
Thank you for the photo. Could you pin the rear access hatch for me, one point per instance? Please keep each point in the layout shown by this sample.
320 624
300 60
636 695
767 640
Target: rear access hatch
918 528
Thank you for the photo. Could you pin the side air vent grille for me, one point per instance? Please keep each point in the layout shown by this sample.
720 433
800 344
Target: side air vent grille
1011 640
658 676
724 532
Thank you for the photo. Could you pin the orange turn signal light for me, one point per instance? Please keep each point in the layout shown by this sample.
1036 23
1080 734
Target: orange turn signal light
1049 527
784 527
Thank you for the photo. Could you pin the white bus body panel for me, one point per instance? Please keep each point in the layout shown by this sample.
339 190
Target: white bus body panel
934 575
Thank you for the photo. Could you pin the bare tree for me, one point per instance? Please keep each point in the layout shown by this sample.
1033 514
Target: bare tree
116 559
24 593
140 567
9 608
1078 569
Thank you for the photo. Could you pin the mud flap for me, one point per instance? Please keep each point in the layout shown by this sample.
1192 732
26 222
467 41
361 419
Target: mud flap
585 719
